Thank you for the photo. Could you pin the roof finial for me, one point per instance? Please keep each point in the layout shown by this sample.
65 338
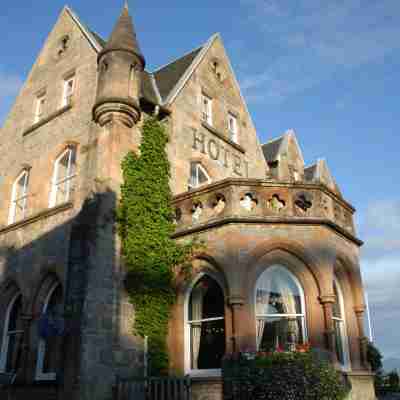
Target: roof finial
126 4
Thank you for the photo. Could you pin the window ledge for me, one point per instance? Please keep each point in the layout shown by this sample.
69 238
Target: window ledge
41 215
45 120
223 137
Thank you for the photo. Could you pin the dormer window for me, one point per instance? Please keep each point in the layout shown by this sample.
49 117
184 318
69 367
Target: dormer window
198 175
68 91
233 127
206 104
39 108
18 208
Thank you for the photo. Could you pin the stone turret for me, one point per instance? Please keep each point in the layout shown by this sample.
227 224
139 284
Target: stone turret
120 68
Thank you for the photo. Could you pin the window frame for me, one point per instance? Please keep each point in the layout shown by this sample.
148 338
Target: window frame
6 333
344 338
187 333
41 350
302 315
56 182
233 134
39 107
206 110
67 98
14 199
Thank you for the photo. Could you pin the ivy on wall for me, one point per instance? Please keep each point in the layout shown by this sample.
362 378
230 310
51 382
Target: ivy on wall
145 223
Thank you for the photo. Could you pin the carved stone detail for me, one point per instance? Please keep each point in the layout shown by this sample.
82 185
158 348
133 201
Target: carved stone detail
197 210
275 203
303 202
249 202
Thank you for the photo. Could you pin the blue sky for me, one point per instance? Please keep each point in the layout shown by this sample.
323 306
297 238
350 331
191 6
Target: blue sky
329 70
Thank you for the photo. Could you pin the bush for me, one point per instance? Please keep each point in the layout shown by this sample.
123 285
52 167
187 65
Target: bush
283 376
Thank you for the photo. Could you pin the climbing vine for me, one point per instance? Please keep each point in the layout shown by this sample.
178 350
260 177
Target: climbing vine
145 223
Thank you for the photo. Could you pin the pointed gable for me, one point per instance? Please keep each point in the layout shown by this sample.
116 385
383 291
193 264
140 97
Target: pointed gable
320 173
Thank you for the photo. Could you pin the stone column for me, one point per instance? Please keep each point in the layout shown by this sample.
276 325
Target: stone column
24 340
236 303
327 302
359 311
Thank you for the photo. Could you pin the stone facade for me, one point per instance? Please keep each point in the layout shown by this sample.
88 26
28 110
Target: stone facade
260 207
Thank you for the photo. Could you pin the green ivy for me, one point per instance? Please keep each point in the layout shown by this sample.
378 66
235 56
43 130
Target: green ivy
145 223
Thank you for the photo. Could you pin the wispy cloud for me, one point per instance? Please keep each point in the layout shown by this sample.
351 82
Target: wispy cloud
314 39
9 86
381 269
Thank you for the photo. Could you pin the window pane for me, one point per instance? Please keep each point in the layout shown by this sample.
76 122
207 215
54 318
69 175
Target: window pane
54 311
277 293
207 338
337 312
338 326
282 333
202 176
207 344
14 338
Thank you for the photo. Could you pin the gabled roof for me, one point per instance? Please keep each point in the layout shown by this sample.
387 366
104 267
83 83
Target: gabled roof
94 39
272 149
319 172
168 76
275 147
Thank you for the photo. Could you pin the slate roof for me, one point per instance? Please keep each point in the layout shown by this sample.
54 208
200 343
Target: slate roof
271 149
168 76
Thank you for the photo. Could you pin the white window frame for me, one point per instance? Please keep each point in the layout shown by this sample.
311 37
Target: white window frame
7 333
40 375
233 134
194 183
67 97
39 107
56 182
16 199
187 333
343 328
206 109
303 304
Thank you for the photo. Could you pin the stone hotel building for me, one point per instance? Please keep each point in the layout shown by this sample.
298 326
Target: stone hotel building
281 259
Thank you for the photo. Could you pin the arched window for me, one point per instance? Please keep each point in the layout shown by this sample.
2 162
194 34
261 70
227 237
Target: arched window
279 310
12 336
50 331
19 197
339 323
63 176
205 326
198 175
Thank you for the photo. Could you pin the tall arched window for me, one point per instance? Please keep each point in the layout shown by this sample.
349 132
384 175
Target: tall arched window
63 176
51 329
342 348
19 197
279 310
205 326
12 336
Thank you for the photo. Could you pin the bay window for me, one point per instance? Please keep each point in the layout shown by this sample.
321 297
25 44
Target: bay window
280 315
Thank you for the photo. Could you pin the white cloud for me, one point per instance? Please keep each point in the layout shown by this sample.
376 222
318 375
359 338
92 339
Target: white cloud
316 39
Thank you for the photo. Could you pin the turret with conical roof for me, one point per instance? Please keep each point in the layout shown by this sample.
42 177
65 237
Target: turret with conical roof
120 68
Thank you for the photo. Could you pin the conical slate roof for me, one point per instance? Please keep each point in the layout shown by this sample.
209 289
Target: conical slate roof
123 37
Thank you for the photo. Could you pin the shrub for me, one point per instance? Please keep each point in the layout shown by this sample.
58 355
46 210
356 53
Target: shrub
283 376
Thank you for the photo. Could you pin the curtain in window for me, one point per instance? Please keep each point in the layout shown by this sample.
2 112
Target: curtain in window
197 313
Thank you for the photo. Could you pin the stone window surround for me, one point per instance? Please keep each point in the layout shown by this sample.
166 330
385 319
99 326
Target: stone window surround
187 354
67 98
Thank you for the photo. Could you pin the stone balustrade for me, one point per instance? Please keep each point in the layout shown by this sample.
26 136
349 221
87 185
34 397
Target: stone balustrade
253 200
